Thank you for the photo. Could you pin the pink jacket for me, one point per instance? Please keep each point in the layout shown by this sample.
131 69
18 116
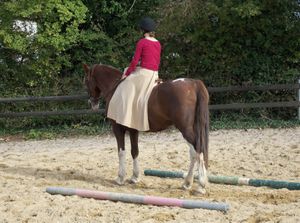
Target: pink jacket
148 51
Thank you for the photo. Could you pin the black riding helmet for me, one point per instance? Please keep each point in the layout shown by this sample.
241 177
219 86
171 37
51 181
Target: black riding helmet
147 24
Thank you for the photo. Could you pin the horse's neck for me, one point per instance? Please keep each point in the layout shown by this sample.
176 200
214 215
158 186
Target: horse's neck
110 79
114 81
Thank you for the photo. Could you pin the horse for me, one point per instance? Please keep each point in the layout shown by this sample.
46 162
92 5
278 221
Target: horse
182 102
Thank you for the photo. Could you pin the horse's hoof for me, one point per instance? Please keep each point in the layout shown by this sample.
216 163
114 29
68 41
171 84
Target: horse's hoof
119 181
134 180
200 191
186 186
203 182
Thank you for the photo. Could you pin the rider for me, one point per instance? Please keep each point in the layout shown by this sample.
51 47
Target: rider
147 49
129 104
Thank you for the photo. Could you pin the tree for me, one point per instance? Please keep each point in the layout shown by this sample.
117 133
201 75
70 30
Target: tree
69 32
34 59
233 42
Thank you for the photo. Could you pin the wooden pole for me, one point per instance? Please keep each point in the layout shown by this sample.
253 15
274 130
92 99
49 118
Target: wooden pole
139 199
232 180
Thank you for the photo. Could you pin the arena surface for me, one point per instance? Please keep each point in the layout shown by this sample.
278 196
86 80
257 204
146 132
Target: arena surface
28 167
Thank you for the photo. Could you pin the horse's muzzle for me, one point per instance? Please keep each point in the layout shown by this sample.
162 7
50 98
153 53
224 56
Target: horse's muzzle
95 108
94 104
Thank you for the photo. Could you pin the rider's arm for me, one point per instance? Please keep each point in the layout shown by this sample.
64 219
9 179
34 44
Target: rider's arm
136 58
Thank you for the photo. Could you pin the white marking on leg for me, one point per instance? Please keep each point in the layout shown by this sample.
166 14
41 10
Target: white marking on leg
122 167
188 181
136 171
202 175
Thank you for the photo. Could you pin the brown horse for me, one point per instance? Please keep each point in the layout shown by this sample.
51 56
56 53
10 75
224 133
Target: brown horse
182 103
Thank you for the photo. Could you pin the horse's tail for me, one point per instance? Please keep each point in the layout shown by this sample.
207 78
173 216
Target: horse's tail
202 121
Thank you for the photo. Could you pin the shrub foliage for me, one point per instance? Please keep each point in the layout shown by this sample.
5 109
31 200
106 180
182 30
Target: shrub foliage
223 42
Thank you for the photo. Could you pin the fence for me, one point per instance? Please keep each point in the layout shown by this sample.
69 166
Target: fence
232 106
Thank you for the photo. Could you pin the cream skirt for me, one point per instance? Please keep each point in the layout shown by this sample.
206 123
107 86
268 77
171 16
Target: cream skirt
129 104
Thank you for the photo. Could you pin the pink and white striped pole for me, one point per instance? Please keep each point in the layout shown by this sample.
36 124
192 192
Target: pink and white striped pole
139 199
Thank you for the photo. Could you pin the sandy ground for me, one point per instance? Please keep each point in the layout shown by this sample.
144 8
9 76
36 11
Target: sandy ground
28 167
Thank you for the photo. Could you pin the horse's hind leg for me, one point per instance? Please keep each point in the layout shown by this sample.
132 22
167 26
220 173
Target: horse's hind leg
202 174
119 132
134 153
195 158
188 135
188 181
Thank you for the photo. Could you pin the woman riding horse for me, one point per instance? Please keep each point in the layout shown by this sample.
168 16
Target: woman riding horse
129 104
182 103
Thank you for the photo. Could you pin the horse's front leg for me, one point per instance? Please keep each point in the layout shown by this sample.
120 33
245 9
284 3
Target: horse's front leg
119 132
134 153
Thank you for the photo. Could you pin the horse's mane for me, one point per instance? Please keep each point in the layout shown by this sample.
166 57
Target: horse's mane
109 68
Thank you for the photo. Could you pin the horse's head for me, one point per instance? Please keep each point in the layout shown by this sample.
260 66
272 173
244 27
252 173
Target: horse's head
92 89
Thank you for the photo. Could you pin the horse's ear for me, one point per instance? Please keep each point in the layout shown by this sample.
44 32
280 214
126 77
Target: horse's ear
86 69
